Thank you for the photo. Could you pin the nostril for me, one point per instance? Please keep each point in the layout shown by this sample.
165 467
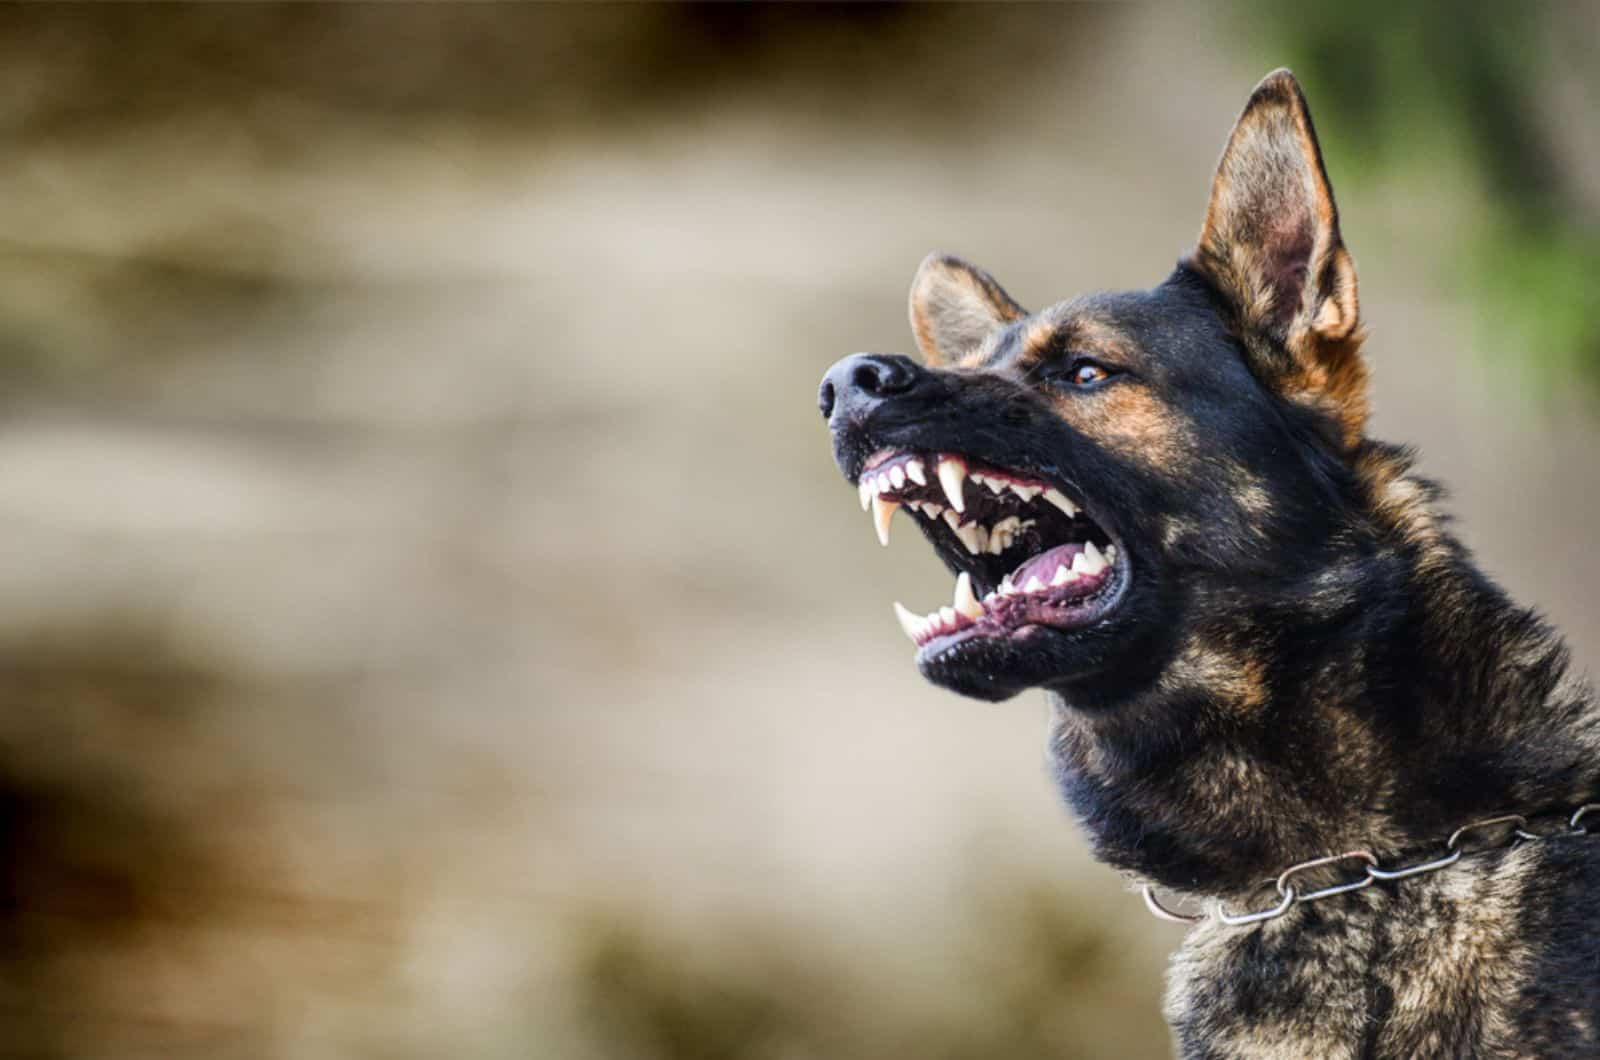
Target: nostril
867 377
825 398
858 383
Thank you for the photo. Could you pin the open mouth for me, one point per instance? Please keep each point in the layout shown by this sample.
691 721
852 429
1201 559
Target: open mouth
1027 555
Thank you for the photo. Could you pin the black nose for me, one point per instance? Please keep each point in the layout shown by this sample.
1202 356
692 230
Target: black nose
860 382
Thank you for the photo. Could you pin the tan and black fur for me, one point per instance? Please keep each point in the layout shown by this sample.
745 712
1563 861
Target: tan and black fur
1306 662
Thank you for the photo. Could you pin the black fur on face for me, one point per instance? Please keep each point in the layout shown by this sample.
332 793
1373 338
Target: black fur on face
1220 497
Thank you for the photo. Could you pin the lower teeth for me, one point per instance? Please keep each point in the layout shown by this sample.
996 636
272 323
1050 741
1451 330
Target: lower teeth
966 608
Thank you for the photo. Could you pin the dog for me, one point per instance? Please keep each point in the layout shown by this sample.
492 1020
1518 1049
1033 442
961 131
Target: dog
1282 693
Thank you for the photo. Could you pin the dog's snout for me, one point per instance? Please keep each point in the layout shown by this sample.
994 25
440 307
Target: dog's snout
858 383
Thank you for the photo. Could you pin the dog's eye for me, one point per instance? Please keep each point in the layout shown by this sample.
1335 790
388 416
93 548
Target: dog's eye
1087 373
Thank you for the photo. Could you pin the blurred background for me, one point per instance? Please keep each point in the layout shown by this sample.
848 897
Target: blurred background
432 623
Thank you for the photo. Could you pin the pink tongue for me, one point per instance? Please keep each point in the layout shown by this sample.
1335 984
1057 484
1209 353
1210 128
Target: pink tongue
1044 565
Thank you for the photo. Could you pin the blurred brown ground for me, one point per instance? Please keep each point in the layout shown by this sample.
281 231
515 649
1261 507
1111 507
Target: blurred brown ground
433 625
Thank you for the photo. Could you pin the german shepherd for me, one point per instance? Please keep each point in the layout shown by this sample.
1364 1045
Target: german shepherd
1268 658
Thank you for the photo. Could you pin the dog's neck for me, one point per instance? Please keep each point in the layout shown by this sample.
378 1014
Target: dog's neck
1431 702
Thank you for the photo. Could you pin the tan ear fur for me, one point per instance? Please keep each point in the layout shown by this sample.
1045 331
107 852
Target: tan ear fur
1270 243
954 307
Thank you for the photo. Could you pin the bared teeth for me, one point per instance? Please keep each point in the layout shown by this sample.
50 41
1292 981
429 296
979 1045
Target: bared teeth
966 602
1059 499
882 512
952 474
877 490
968 534
1004 533
908 621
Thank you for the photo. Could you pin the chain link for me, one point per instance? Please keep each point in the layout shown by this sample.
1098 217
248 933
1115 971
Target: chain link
1514 826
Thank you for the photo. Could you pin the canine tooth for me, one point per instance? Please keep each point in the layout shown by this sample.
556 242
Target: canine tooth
952 473
897 475
908 621
965 600
1059 499
882 513
968 533
1064 574
915 473
1034 585
1097 561
1027 493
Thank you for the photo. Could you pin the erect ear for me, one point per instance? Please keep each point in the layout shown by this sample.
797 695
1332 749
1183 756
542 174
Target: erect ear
1271 245
955 306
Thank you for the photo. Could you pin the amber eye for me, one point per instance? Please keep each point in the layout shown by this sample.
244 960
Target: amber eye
1087 373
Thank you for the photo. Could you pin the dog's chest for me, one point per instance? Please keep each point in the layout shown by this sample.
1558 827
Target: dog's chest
1425 968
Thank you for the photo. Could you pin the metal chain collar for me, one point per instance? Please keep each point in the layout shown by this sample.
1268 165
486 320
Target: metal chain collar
1516 831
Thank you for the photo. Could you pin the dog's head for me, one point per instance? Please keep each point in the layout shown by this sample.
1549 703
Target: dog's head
1112 475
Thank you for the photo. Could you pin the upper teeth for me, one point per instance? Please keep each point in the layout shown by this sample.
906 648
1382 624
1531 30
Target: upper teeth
1059 499
952 472
882 513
